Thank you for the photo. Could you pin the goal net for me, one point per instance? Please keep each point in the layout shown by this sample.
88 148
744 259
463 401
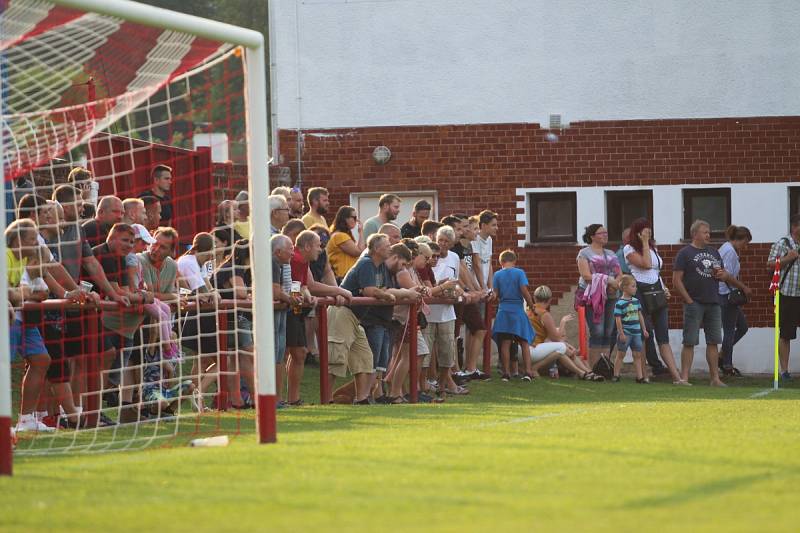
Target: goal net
128 148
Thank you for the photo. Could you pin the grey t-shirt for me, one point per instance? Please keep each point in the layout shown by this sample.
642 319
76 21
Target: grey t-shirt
605 263
372 225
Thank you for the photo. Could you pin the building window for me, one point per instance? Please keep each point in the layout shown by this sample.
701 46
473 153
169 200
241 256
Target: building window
711 205
794 201
553 217
623 207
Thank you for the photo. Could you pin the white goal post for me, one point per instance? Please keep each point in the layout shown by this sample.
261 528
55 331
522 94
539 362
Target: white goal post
258 179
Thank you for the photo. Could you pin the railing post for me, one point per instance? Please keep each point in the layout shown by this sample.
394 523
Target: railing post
413 371
322 342
583 345
223 393
487 338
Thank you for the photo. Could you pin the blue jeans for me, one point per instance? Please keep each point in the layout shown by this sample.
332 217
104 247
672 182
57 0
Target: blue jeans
601 334
380 342
734 327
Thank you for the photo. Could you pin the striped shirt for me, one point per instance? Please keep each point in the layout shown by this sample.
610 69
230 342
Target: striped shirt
628 311
791 280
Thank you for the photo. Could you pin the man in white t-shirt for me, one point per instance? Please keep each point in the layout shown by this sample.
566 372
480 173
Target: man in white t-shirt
442 317
482 248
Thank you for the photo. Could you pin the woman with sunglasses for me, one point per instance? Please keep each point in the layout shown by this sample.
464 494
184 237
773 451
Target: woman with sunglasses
343 249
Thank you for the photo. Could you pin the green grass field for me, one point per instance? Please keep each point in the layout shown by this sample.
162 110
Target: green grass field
553 455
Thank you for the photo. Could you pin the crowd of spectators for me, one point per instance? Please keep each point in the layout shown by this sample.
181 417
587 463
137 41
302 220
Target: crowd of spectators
85 249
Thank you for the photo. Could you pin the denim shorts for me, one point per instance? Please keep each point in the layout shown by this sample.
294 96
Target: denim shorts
707 315
27 341
242 338
380 342
601 332
633 341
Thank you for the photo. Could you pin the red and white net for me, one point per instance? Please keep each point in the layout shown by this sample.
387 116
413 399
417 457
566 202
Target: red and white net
118 99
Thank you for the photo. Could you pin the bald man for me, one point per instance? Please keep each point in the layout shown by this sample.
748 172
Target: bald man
109 212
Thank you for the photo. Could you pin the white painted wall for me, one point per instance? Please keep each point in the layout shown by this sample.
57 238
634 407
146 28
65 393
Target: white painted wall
762 207
341 63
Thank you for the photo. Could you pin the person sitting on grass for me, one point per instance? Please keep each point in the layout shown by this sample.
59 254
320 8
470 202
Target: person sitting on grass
511 323
549 345
631 328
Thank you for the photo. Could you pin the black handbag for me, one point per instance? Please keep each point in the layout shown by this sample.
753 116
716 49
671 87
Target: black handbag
604 367
653 297
737 296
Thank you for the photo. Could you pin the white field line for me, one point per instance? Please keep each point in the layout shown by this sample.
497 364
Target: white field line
762 393
533 418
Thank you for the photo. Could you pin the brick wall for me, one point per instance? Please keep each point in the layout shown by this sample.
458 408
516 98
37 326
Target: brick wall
474 167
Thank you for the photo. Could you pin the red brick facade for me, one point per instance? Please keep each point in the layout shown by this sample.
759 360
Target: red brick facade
474 167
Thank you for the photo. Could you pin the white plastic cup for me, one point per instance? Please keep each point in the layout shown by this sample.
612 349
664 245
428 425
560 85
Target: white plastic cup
86 286
220 441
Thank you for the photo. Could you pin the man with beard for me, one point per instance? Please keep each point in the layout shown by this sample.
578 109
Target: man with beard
420 213
317 207
388 209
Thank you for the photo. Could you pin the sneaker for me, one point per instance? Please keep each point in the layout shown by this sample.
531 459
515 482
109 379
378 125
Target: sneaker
682 383
480 376
459 378
527 378
433 383
786 376
29 423
615 379
506 378
365 401
281 405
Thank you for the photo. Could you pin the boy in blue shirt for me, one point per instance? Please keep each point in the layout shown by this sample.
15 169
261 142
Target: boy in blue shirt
631 328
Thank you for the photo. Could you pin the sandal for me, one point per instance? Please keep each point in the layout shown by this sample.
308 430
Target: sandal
591 376
395 400
643 380
460 391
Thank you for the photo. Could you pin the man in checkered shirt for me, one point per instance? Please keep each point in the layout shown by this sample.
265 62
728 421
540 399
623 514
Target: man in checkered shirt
786 249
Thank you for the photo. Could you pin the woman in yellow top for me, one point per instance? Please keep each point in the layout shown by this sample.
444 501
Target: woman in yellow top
343 250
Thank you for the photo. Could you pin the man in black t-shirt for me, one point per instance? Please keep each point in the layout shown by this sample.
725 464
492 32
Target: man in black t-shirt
109 212
162 184
696 275
420 213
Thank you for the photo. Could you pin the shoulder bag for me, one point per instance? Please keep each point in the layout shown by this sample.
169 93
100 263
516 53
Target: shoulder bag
653 296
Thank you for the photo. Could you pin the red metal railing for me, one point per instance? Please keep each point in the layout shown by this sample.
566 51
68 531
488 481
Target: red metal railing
413 370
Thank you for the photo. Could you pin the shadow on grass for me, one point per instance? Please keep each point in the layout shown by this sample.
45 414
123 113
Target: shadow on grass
698 491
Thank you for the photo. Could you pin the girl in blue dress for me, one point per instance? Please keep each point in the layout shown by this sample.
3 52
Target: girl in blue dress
511 323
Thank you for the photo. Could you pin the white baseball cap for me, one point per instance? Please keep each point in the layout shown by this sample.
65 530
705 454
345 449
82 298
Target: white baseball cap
142 233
